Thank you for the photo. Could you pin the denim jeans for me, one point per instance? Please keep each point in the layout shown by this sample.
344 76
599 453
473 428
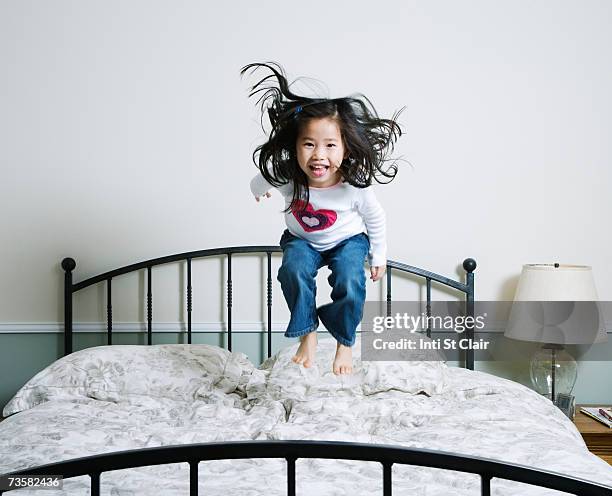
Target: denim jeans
300 265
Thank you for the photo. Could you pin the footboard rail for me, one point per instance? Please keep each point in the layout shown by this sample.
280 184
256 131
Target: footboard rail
387 455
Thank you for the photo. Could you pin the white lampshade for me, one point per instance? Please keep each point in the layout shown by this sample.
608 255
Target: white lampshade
556 282
539 314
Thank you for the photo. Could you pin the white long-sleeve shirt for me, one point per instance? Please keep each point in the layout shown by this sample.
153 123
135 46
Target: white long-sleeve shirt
334 214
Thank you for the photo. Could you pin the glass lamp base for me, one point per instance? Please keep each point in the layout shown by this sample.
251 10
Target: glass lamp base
553 369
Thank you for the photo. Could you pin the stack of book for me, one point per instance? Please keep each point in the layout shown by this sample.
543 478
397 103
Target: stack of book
600 413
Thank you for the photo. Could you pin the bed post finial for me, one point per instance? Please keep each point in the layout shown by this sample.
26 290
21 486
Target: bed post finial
68 264
469 264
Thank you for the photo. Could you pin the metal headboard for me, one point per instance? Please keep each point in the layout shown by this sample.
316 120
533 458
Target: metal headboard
69 264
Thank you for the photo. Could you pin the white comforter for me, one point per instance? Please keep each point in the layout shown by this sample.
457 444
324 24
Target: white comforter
463 411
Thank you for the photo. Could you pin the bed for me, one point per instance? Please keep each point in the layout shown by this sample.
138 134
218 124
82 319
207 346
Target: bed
195 418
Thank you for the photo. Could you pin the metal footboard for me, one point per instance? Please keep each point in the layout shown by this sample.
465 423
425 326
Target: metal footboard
193 454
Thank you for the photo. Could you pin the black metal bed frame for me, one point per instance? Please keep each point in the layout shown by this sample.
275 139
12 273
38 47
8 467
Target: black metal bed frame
387 455
69 264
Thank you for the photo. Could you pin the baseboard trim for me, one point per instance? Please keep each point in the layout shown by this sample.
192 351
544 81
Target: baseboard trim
137 327
178 327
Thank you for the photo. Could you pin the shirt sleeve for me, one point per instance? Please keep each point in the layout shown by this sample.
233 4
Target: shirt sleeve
375 220
259 186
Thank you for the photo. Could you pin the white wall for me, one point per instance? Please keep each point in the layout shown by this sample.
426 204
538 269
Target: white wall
126 133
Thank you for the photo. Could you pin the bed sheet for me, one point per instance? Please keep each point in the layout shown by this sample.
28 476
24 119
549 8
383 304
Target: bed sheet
62 430
473 413
478 415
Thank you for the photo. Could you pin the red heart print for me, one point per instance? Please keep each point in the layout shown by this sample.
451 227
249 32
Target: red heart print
311 219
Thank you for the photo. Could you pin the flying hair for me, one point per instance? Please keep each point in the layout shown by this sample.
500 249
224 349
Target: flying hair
367 138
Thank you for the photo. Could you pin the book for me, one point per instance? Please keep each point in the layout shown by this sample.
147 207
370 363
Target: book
604 417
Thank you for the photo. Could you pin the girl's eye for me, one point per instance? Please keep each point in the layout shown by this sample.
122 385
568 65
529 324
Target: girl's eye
331 144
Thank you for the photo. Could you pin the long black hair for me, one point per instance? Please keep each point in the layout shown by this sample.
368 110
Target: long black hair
366 137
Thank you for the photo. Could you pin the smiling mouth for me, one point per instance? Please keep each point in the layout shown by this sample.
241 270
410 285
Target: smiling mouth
318 170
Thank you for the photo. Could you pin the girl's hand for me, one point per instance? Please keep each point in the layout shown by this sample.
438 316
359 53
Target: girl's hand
376 273
267 195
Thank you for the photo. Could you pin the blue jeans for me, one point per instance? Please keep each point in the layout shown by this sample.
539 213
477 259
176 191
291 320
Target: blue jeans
300 265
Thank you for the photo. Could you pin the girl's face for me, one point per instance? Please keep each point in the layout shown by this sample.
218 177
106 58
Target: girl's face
320 151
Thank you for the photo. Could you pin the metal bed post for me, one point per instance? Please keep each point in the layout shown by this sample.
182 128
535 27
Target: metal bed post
469 264
68 264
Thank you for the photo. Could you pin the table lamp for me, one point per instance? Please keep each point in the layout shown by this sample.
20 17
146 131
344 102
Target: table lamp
556 305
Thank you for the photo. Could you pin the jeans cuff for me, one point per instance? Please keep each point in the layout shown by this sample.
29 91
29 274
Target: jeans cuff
303 332
342 340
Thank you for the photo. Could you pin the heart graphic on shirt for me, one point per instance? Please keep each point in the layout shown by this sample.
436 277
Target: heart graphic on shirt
311 219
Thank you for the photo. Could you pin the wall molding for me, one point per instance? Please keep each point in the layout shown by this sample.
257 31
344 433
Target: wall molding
176 327
127 327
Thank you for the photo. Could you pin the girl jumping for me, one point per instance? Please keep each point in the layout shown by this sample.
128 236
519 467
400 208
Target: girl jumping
322 155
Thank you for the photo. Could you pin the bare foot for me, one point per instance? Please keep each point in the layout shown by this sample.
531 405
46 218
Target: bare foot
306 352
343 362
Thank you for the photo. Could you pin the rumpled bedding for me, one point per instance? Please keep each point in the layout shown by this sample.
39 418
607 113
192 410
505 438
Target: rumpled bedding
116 398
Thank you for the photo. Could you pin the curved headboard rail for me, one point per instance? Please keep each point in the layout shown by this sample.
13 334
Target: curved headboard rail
69 265
179 257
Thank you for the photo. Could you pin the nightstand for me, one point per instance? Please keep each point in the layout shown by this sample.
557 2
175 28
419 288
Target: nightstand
597 436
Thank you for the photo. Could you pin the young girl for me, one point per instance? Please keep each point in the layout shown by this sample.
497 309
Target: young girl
322 155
